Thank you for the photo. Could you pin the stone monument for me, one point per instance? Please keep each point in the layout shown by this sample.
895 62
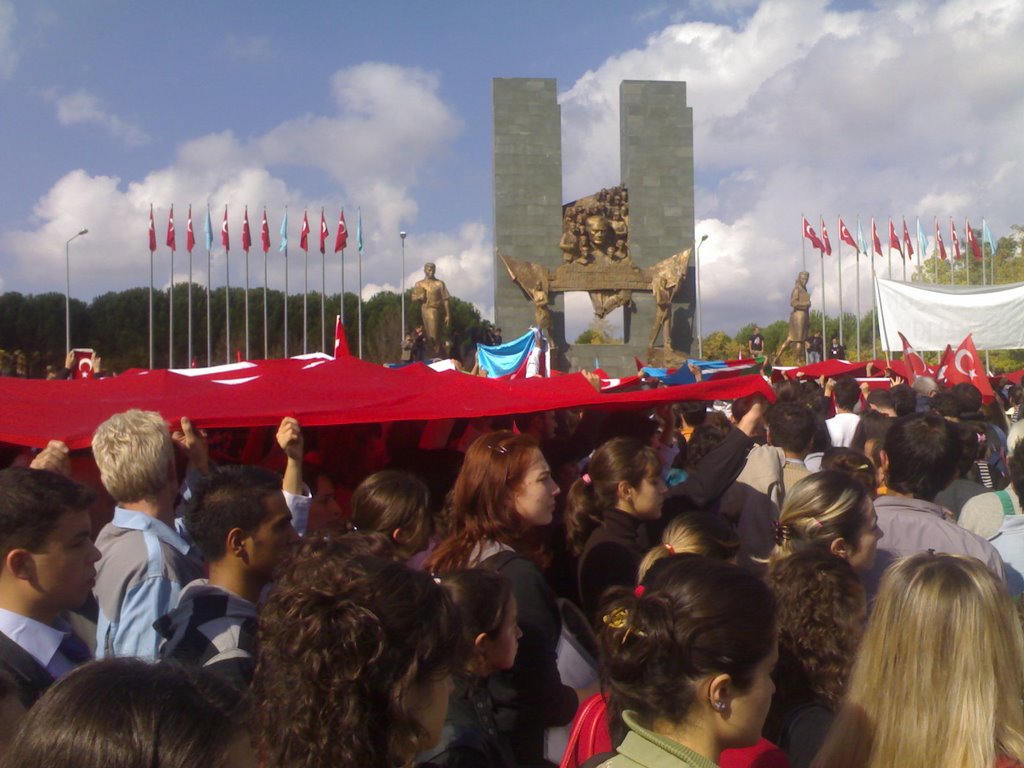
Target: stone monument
627 246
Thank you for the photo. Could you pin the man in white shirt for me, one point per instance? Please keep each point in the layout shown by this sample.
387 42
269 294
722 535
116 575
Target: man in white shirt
843 425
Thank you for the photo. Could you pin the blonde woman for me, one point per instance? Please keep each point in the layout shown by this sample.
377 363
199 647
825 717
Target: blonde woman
697 533
940 673
829 509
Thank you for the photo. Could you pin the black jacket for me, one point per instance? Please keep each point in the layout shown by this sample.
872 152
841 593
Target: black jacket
31 677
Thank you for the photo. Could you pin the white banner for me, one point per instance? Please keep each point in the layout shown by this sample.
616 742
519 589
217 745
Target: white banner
932 316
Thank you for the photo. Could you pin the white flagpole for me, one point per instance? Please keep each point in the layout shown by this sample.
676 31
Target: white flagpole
170 316
839 283
859 238
323 302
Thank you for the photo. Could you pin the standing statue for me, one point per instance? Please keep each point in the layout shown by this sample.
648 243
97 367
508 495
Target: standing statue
668 275
799 318
433 293
541 310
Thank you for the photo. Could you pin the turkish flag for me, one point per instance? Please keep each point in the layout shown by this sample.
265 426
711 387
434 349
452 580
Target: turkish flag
955 240
342 240
265 232
875 242
913 362
944 362
938 241
909 249
845 236
972 241
190 236
894 239
152 231
323 232
246 234
224 239
966 367
304 234
171 239
824 239
340 342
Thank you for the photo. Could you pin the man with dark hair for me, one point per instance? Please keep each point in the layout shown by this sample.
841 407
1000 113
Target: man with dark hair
540 424
881 400
904 400
240 520
48 566
791 428
843 425
920 457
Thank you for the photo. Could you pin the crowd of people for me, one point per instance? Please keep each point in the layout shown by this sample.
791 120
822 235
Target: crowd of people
828 579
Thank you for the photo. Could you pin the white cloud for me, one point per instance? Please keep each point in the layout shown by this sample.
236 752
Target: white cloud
248 49
905 109
83 107
8 53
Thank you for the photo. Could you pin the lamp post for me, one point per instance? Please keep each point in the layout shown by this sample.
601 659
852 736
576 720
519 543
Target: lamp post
700 334
67 289
401 336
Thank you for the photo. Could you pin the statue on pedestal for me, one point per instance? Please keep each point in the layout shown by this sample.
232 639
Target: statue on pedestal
799 318
433 294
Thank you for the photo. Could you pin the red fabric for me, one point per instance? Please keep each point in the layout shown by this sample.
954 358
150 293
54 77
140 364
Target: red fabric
323 232
874 238
590 736
966 366
954 239
894 239
152 231
809 234
340 341
846 236
171 239
824 239
908 250
972 241
304 234
225 240
342 239
828 368
938 240
265 232
913 362
246 234
190 235
317 392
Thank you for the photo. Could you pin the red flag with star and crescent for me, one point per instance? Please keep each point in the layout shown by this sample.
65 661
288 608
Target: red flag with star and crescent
810 235
944 362
913 362
875 242
824 239
342 239
972 241
265 232
908 249
967 367
846 236
225 239
938 241
304 233
955 240
152 231
894 239
172 240
190 235
246 234
323 232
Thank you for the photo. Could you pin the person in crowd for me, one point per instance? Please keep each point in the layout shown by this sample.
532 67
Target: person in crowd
881 400
502 494
821 613
755 343
836 350
490 627
869 439
832 511
607 507
12 711
996 516
791 428
855 464
697 533
920 457
542 425
912 700
967 483
972 408
126 713
396 504
145 562
687 661
815 348
48 566
904 399
843 425
355 658
239 519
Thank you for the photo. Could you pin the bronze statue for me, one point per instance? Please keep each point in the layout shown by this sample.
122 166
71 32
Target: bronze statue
433 293
541 311
799 318
668 275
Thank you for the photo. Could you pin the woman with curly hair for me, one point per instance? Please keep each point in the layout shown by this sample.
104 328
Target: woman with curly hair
832 511
355 661
503 492
688 662
821 612
939 677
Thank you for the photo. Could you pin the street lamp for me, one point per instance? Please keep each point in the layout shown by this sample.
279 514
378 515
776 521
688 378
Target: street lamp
401 336
700 334
67 289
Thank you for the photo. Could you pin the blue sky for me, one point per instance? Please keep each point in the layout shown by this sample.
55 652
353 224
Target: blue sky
907 108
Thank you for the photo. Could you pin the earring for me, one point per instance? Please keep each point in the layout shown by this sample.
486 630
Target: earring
718 705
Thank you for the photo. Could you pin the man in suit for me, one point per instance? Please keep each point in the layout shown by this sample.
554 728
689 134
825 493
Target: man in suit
47 566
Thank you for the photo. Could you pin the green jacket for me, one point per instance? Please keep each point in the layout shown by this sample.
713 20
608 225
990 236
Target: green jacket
645 749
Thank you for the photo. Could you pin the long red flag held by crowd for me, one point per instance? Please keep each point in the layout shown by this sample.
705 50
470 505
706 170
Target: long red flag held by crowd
908 248
846 236
152 231
171 237
323 232
938 241
826 245
810 235
190 235
225 239
342 239
304 232
265 232
246 234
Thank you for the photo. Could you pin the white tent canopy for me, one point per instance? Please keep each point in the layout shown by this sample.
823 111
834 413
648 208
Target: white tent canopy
932 316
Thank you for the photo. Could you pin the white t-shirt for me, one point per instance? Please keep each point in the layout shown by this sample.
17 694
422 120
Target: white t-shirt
841 428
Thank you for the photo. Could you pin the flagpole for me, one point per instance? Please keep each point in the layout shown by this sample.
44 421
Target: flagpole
305 303
247 303
323 301
839 274
936 257
341 304
170 317
874 308
821 253
860 245
227 299
952 255
150 310
803 244
209 279
188 364
967 256
359 244
286 289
